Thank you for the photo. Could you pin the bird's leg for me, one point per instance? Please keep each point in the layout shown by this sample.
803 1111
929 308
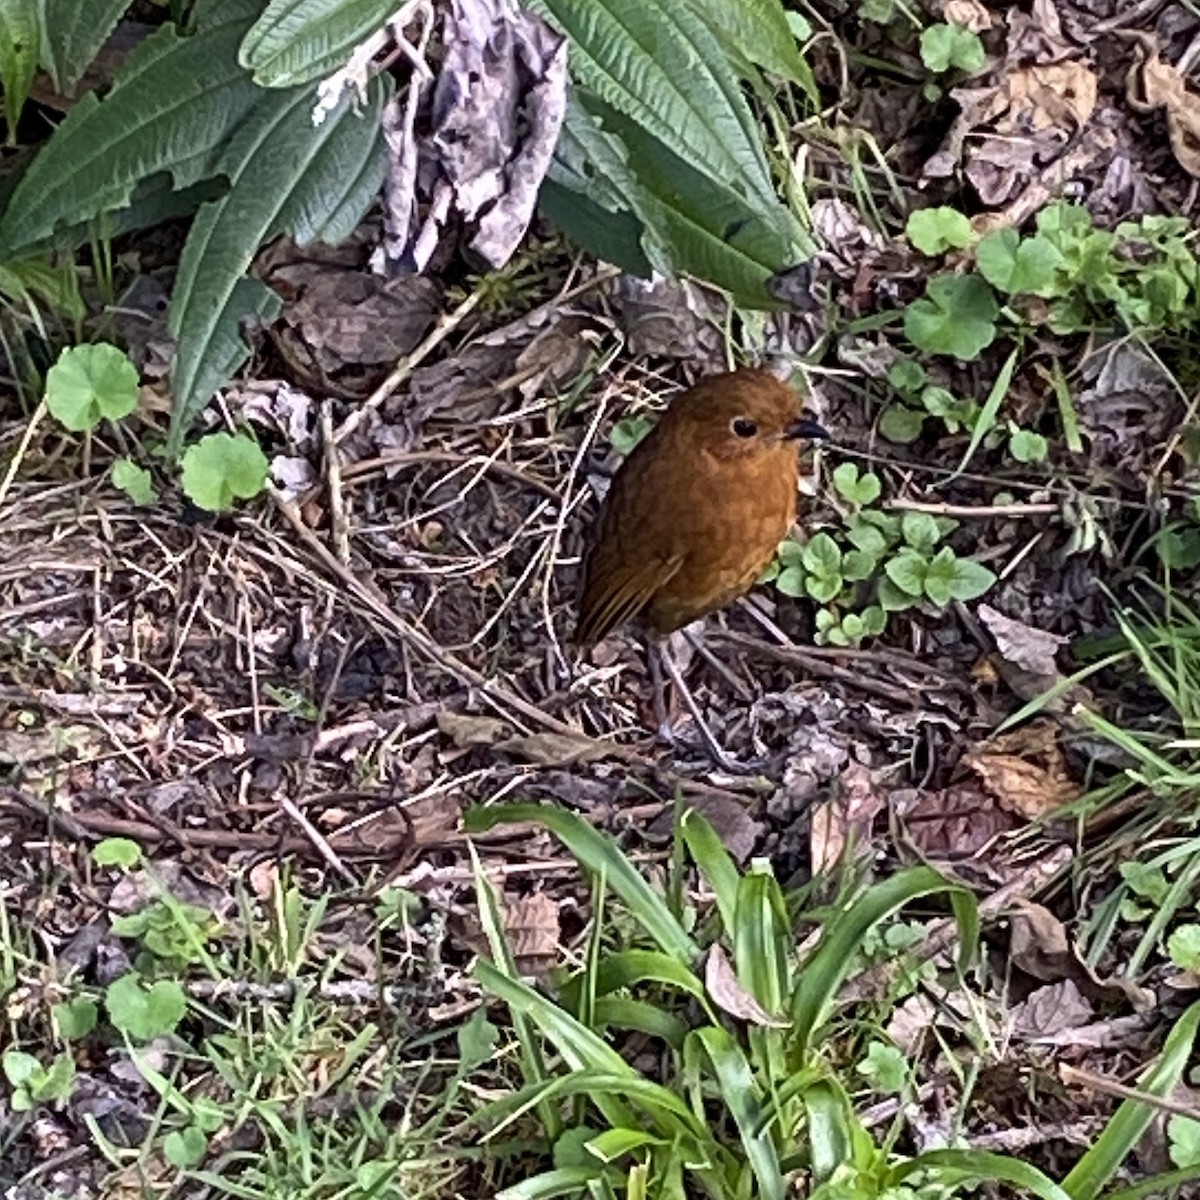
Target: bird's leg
715 751
662 715
696 641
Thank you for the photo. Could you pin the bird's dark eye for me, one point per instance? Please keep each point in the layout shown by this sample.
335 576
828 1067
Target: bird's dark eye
743 427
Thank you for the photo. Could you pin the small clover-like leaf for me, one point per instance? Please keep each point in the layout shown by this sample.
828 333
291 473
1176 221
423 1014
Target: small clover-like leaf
136 482
936 230
971 579
907 375
145 1011
1028 447
791 582
1183 1134
89 384
874 620
823 588
945 45
907 571
901 424
117 852
920 531
1019 266
939 578
885 1067
75 1018
185 1148
857 566
956 316
221 468
1183 946
868 539
822 555
892 598
857 489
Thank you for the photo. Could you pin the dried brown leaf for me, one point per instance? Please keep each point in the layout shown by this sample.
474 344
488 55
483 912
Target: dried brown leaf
728 994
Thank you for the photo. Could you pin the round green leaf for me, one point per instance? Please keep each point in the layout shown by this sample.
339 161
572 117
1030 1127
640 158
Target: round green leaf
185 1148
117 852
791 581
822 555
936 230
900 424
142 1011
221 468
956 316
91 383
1028 447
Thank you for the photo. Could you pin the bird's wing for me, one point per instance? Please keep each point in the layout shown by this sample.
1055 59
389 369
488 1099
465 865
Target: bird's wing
618 594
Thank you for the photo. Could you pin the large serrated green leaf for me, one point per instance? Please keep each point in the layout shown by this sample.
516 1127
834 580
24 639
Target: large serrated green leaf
286 176
20 42
660 65
758 30
709 229
172 108
72 33
296 41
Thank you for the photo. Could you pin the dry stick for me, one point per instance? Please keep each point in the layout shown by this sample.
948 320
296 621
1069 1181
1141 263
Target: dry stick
19 454
425 645
1110 1087
974 510
446 325
339 526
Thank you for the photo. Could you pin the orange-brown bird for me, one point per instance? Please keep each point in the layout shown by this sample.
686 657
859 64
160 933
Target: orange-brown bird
696 511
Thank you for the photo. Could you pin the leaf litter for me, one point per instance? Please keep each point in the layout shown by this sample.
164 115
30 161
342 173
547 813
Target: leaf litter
240 668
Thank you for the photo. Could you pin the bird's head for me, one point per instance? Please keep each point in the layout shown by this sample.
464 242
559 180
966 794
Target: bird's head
742 415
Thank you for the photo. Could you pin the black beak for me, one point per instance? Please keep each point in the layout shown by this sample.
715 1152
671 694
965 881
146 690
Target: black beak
805 428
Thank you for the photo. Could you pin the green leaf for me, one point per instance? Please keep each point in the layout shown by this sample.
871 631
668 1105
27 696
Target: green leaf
661 66
117 852
860 490
221 468
759 31
986 420
956 316
821 976
901 424
136 482
597 853
172 108
1028 447
738 1089
286 176
1183 1134
874 620
76 1018
822 555
89 384
885 1067
971 579
869 539
894 599
145 1011
907 571
20 40
857 565
967 1165
1184 948
790 581
185 1148
906 375
72 34
936 230
19 1067
920 531
941 576
612 236
1019 266
627 432
945 45
296 41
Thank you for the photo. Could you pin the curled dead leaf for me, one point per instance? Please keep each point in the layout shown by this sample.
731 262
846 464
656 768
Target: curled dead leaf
728 994
1152 85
